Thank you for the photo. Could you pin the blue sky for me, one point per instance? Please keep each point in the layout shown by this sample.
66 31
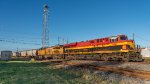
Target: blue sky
21 21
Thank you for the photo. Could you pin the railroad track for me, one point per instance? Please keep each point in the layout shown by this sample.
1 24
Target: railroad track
145 75
128 72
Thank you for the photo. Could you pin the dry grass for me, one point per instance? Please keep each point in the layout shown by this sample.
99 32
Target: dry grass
25 72
146 59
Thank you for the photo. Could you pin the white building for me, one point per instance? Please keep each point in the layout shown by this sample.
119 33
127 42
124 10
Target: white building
145 52
6 55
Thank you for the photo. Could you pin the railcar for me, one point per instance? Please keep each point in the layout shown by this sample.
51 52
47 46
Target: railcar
31 53
14 54
25 53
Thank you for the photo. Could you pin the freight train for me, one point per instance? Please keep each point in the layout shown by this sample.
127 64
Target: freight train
109 48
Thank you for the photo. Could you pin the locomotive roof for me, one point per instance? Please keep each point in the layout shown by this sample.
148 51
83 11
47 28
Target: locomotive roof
96 39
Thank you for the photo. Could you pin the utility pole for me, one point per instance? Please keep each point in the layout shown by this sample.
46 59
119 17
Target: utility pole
17 49
63 40
58 40
45 34
133 36
67 41
17 53
134 41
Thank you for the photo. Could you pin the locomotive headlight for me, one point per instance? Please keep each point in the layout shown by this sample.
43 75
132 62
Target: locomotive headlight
124 47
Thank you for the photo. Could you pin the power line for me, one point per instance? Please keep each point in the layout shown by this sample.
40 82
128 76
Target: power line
16 42
140 37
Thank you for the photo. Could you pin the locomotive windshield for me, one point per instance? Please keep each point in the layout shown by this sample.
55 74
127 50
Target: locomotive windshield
113 39
123 38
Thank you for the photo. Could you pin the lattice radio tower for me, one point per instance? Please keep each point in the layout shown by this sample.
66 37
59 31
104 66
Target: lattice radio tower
45 34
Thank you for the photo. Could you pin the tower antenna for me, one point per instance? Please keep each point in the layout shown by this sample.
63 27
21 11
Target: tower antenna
45 34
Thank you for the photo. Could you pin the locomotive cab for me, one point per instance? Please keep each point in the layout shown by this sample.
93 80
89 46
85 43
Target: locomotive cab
122 37
118 38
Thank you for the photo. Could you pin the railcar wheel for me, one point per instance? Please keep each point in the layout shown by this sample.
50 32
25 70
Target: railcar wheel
110 59
104 57
43 57
85 57
125 57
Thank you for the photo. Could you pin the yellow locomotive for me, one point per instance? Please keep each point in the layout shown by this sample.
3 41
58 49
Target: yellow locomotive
53 52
